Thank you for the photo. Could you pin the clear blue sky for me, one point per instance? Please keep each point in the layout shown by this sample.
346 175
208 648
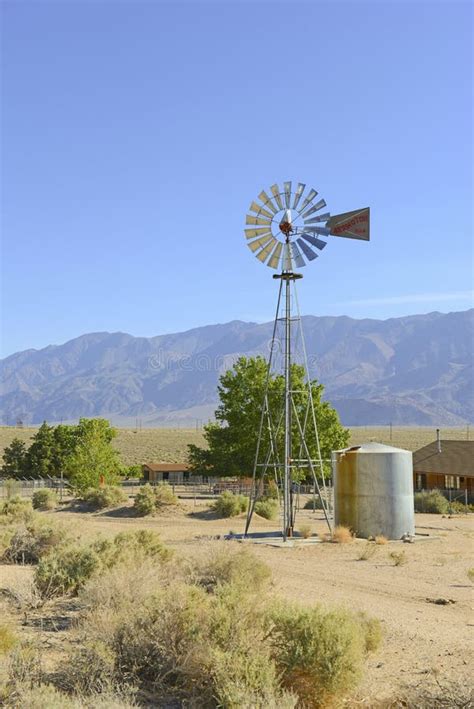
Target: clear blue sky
136 134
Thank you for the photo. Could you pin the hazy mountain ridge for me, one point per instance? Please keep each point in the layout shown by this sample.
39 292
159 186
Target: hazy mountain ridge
410 370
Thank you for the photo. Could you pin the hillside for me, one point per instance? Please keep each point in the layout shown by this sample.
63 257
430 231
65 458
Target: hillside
415 370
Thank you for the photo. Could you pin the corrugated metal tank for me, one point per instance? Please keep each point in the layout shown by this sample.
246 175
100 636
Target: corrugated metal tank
373 490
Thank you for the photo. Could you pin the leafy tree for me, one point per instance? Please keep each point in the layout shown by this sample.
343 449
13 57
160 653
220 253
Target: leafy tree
39 460
93 459
65 440
232 439
14 459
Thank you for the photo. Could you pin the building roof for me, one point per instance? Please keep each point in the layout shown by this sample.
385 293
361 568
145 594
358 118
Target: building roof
456 458
167 467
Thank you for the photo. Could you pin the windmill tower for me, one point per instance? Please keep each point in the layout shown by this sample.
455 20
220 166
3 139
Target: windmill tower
285 231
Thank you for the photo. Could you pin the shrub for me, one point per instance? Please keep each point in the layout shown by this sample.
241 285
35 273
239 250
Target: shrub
227 566
16 509
342 535
65 570
367 552
12 487
380 539
230 505
305 530
164 495
372 631
314 503
267 508
30 542
8 639
399 558
89 669
138 544
457 508
149 500
145 501
102 497
431 501
470 574
45 499
318 653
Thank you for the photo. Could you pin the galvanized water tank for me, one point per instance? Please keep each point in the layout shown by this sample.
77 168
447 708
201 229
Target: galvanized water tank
373 490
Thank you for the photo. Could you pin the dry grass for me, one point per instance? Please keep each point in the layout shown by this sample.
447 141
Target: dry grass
170 445
305 530
380 539
367 552
341 535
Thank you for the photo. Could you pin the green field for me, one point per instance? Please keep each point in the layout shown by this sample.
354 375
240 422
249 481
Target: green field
170 445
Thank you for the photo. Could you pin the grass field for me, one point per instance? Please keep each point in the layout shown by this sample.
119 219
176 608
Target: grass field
170 445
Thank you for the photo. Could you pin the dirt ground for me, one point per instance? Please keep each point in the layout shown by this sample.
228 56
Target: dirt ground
423 641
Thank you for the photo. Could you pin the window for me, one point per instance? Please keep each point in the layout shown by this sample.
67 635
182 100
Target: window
451 482
420 481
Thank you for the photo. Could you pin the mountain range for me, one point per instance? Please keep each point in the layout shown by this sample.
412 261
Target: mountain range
414 370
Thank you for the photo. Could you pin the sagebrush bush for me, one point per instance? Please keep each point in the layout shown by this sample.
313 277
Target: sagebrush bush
101 498
46 696
230 505
145 501
318 653
149 500
458 508
431 501
305 531
65 570
267 508
29 542
315 503
89 669
228 565
45 499
8 638
15 509
399 558
372 631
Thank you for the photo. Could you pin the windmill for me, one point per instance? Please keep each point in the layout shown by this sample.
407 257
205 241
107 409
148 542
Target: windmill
286 229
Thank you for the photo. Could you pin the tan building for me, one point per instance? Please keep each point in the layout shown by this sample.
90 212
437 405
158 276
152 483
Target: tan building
444 465
176 473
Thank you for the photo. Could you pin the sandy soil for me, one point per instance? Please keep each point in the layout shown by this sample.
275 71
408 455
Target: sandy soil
422 639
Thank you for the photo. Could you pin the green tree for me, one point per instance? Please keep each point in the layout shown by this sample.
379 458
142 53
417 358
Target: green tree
93 458
39 460
232 439
14 459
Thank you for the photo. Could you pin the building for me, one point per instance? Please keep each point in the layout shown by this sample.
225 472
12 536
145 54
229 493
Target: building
176 473
445 465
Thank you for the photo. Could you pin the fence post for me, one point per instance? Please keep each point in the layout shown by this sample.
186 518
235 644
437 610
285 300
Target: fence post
465 497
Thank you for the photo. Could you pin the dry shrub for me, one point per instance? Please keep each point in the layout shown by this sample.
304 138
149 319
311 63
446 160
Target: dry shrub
268 509
341 535
305 530
380 539
16 509
318 653
470 574
29 542
399 558
66 569
89 669
45 499
372 630
8 638
149 500
101 498
230 505
368 551
24 668
431 501
229 564
46 696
